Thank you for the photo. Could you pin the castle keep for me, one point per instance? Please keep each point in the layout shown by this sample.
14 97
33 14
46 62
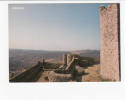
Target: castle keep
110 33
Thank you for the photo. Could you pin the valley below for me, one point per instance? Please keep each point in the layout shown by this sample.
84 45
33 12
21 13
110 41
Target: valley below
22 60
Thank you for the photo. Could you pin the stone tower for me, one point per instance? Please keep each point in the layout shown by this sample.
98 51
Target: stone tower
64 57
110 42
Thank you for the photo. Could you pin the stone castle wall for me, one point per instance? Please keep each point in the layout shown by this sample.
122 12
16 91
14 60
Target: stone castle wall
110 33
69 58
64 57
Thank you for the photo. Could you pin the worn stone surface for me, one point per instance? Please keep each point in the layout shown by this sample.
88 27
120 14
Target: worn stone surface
110 31
56 77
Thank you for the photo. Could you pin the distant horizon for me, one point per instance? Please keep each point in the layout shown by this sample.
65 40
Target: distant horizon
51 50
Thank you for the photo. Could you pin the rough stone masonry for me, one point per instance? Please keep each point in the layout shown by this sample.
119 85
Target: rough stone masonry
110 42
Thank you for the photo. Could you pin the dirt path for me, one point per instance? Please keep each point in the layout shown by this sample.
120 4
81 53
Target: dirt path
93 74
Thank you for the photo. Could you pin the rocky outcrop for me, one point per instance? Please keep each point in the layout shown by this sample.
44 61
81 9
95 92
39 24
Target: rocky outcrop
57 77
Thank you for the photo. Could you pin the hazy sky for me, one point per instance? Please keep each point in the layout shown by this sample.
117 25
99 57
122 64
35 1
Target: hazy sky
54 26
